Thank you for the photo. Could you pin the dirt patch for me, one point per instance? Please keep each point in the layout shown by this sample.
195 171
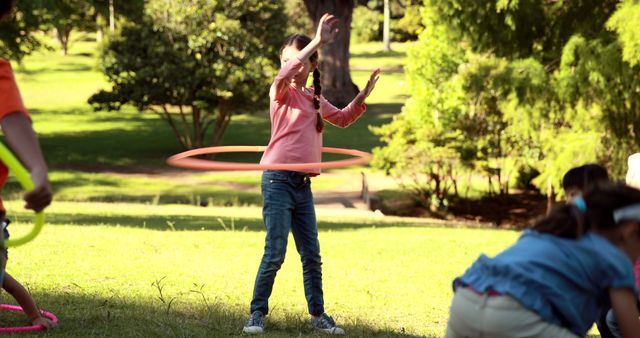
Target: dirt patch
516 210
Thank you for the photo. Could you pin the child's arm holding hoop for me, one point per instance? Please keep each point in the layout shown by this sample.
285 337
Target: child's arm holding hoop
24 142
625 310
16 125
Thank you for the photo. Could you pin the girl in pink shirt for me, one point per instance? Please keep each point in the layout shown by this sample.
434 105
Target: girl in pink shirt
298 115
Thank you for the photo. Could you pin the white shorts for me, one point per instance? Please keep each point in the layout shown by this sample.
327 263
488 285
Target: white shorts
482 316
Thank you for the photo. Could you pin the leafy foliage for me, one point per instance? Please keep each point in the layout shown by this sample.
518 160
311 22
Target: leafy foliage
65 15
16 33
625 22
298 20
200 60
17 37
533 85
409 25
366 24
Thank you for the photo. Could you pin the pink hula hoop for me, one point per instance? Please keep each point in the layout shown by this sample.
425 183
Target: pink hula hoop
184 160
15 329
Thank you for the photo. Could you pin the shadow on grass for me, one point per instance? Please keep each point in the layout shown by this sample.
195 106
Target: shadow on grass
390 54
149 144
67 67
114 193
83 314
227 199
193 223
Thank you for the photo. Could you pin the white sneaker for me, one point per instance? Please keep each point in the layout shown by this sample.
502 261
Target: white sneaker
326 324
255 324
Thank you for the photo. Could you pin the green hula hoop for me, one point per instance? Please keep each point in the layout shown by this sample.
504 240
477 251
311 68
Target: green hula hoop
22 175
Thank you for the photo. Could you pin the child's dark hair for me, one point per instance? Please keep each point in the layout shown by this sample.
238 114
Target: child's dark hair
575 219
5 8
300 41
585 177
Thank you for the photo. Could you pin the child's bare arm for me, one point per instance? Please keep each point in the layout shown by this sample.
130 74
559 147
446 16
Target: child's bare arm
625 310
23 140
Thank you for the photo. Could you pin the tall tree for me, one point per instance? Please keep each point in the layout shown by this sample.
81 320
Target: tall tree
66 15
107 12
386 36
337 86
196 63
17 32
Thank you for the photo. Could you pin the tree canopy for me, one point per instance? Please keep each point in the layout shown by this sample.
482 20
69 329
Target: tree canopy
196 63
505 86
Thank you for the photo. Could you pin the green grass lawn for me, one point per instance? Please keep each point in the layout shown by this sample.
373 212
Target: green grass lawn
113 269
126 253
100 268
213 188
371 54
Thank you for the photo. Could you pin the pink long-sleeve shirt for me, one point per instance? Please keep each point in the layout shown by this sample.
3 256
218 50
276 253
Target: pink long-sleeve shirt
294 138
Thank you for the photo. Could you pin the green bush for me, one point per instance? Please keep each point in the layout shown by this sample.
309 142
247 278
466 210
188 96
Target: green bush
366 25
504 84
409 26
298 19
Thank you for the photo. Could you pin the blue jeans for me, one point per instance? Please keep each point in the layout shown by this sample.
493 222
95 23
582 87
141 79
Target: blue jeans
288 205
4 254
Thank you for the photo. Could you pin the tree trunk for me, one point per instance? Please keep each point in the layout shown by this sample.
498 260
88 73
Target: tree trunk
63 33
112 17
386 40
222 120
99 34
551 196
337 86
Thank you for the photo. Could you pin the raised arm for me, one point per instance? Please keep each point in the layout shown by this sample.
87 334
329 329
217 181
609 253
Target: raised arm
346 116
325 34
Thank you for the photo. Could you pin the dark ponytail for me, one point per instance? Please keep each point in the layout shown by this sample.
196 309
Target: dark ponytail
595 212
565 221
317 91
585 177
300 41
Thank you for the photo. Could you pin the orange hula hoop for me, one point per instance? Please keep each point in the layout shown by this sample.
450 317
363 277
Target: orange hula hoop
185 160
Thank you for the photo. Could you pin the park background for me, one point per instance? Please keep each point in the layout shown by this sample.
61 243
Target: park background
481 107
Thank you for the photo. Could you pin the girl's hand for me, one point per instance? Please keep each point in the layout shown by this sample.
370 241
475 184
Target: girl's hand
45 322
364 93
327 30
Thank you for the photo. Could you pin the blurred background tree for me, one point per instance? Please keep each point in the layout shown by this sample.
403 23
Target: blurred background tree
529 86
195 63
